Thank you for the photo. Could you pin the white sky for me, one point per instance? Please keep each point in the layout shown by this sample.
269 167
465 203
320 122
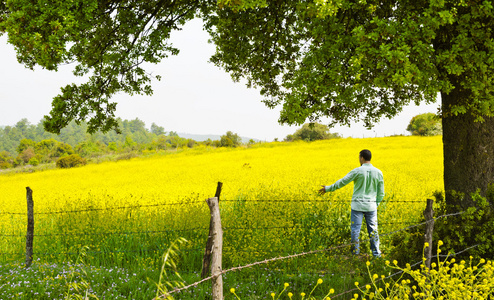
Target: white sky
194 96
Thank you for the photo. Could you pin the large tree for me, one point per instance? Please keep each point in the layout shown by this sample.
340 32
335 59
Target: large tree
364 60
346 60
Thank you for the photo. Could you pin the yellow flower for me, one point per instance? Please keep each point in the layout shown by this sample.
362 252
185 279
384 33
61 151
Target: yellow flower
319 281
356 283
367 287
272 295
232 290
290 295
368 263
302 294
286 285
440 243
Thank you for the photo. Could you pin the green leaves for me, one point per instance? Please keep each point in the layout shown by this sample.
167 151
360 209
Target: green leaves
358 61
346 60
109 41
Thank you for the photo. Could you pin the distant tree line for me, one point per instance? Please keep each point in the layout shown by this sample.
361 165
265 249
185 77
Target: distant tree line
28 144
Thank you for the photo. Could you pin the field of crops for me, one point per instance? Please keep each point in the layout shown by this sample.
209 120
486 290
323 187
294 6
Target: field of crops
128 212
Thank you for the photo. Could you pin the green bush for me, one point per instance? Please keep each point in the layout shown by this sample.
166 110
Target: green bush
33 161
71 161
427 124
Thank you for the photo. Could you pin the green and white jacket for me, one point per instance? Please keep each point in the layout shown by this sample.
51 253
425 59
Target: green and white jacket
368 189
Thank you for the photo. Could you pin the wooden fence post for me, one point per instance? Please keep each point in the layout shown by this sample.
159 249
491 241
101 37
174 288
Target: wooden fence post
30 227
217 249
206 261
429 228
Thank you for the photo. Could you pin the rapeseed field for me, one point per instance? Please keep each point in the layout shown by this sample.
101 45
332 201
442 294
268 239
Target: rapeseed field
126 213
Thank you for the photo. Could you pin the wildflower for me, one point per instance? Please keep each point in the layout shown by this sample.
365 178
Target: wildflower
319 281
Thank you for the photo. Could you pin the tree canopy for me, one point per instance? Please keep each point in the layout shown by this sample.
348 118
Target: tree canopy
359 60
108 40
346 60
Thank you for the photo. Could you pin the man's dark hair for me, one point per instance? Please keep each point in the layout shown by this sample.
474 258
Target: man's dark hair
366 154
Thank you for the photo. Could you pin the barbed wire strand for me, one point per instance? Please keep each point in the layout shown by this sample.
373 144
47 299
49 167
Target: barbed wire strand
291 256
106 208
195 229
329 201
99 252
253 201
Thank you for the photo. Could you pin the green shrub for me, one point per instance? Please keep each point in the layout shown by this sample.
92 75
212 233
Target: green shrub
70 161
33 161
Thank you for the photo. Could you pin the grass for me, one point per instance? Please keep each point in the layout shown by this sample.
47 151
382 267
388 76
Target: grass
67 280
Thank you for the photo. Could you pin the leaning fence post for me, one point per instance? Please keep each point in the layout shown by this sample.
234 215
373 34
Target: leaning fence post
206 261
30 227
217 249
429 228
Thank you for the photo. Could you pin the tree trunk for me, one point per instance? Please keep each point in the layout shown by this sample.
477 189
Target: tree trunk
468 152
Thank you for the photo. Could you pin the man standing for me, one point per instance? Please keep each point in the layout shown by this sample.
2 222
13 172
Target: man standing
368 192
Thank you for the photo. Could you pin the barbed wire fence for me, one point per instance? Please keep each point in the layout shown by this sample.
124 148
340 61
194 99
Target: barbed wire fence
266 261
227 228
175 230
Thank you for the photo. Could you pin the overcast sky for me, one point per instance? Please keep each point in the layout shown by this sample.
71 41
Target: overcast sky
194 96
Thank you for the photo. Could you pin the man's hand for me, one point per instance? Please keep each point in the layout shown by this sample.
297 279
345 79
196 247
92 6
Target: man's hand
322 191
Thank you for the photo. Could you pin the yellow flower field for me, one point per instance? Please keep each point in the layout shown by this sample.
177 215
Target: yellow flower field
269 201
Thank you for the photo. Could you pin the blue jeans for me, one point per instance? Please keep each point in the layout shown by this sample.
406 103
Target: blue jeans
371 221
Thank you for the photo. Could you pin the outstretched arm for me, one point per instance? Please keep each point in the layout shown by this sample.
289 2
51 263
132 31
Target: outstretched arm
339 184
